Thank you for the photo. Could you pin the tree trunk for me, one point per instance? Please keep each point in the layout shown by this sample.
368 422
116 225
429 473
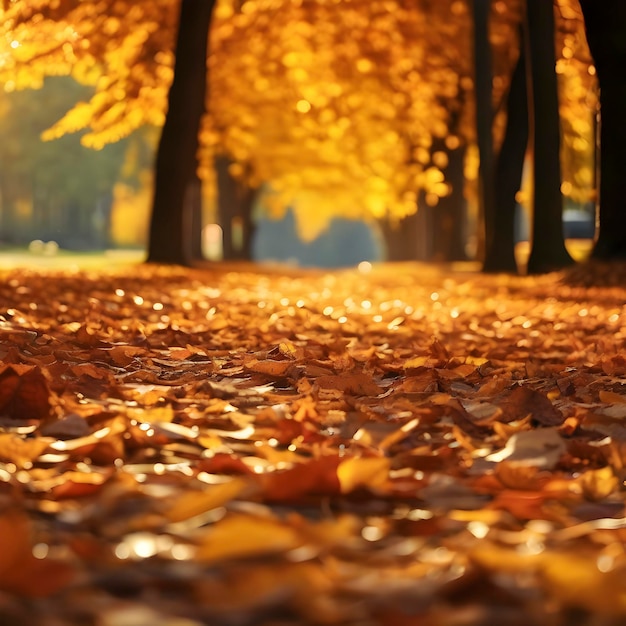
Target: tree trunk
235 213
193 215
247 199
484 122
500 256
411 238
169 238
605 23
548 251
450 213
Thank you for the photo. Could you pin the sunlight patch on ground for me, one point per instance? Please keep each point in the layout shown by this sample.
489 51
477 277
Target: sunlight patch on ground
67 260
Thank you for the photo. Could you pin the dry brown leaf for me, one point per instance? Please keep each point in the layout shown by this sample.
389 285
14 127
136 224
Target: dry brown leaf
523 401
314 477
358 384
24 393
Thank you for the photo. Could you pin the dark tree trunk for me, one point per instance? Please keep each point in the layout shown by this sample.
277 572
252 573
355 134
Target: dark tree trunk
484 121
235 214
500 256
605 23
193 216
169 239
450 213
548 245
248 225
407 239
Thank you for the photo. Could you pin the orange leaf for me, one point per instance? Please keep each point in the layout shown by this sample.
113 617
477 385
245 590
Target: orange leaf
316 477
24 392
20 571
358 384
269 367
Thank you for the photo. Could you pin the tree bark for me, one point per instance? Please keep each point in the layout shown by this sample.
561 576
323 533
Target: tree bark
235 213
500 256
484 121
548 251
193 216
408 239
169 238
450 212
605 24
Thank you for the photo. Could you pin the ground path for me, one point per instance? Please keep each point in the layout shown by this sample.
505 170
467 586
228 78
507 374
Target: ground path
403 445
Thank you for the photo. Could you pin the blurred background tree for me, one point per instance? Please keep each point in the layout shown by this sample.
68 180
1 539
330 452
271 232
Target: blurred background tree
61 190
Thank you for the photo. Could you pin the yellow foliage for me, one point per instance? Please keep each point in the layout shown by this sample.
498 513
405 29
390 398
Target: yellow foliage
334 104
120 47
131 212
329 120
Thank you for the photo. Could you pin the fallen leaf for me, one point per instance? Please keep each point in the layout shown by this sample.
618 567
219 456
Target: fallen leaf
372 472
194 503
316 477
358 384
20 451
540 448
245 536
20 572
24 393
599 484
523 401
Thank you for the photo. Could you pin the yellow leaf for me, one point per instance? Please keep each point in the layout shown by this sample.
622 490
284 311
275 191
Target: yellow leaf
238 536
363 472
195 503
417 361
20 451
288 349
599 484
577 581
152 415
573 579
492 557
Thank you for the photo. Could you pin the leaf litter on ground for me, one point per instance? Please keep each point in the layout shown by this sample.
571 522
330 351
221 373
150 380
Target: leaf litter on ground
404 446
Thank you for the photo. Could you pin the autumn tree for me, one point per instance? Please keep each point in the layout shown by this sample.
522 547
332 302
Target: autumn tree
605 24
508 169
548 247
123 50
170 225
532 101
330 122
336 125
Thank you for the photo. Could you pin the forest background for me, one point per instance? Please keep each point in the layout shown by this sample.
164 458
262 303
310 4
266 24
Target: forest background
311 128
